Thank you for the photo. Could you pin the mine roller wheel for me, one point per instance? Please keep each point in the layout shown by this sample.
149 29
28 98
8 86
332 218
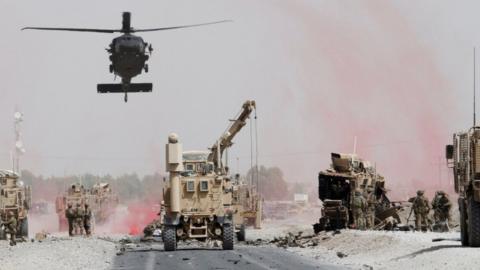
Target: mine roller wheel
463 222
24 228
169 238
227 243
241 233
473 222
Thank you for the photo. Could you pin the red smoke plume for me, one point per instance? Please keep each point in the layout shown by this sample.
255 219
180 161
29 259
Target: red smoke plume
364 72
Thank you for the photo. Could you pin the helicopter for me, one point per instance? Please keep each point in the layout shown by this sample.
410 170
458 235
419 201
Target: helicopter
128 54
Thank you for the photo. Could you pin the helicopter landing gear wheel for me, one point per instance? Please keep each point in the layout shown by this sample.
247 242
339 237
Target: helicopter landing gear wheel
146 68
110 68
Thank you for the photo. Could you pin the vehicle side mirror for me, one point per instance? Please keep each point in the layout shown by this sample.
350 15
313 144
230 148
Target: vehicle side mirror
449 151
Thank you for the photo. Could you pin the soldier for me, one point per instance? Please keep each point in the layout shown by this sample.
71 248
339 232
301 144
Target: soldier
421 208
70 215
78 222
359 207
87 220
11 227
441 206
371 204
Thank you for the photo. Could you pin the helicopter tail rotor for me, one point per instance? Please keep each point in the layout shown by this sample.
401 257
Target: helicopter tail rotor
126 28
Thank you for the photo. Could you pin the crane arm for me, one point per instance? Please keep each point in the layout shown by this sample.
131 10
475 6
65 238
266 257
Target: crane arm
225 140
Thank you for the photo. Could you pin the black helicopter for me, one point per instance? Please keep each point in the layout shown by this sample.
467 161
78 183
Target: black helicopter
128 54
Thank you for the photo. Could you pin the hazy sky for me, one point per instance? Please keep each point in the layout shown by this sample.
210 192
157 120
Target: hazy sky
396 74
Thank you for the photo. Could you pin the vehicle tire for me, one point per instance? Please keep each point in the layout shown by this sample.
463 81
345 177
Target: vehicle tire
146 68
241 233
3 235
169 238
227 243
24 228
463 222
473 222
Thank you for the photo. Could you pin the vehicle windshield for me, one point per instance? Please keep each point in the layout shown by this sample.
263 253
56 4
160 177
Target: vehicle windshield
195 156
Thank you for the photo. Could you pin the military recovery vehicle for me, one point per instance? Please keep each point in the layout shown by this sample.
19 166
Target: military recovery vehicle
15 197
463 156
198 196
336 188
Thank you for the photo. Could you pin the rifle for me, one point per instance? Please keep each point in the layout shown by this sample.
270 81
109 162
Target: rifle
411 209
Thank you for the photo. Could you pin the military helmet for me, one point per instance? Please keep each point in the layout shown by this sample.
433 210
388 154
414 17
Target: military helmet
420 192
10 213
358 192
441 192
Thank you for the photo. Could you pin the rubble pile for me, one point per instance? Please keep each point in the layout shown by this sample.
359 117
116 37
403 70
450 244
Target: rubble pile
294 240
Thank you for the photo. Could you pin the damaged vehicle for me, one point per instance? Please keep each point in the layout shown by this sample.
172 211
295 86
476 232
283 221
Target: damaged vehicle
336 188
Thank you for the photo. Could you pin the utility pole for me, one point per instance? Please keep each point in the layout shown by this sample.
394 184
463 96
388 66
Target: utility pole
19 147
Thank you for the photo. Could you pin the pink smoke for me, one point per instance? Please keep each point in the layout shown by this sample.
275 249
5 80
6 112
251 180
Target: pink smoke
364 72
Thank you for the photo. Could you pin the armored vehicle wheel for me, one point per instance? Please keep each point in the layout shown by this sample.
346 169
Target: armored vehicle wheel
24 228
227 237
463 222
473 222
169 238
241 233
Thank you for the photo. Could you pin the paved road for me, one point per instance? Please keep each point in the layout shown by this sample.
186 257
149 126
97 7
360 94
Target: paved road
243 257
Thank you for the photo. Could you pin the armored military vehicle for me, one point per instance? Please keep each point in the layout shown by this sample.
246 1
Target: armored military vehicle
101 199
336 188
247 207
198 197
103 202
197 204
15 197
76 194
463 156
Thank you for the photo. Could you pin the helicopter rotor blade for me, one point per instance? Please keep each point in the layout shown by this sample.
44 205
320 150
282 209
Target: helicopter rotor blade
73 29
178 27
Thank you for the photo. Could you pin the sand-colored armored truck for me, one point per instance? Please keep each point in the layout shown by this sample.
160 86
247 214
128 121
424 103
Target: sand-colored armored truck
463 156
336 188
198 197
198 204
101 199
76 194
103 202
15 197
246 206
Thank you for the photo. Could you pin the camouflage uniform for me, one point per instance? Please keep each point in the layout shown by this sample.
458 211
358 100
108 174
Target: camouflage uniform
441 206
70 215
421 208
11 228
370 213
78 222
359 206
87 224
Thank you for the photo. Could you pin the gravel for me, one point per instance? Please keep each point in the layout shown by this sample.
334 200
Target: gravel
58 252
